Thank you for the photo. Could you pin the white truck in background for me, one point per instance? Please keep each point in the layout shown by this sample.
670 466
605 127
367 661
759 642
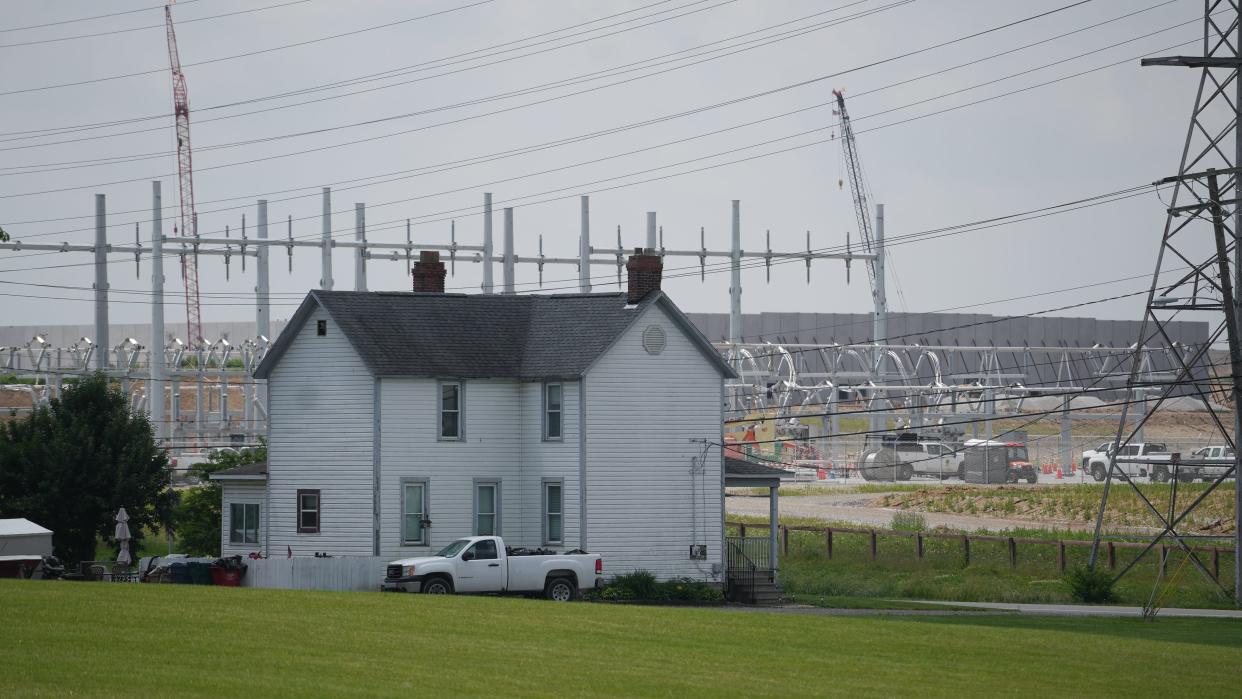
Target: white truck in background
1095 461
484 565
1202 465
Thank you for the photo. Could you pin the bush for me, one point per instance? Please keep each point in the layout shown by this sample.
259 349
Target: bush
1091 586
642 586
909 522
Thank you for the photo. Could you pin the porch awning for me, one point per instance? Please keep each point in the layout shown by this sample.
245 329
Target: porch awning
743 473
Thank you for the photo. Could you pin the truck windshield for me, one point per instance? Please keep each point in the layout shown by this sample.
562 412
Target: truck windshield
453 549
1017 454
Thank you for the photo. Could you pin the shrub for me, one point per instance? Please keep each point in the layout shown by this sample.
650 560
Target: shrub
640 584
909 522
1091 586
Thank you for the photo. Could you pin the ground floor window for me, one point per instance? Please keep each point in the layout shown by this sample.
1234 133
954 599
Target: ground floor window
414 513
553 512
486 508
308 511
243 523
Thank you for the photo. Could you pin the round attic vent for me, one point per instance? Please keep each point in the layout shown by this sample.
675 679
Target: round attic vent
654 339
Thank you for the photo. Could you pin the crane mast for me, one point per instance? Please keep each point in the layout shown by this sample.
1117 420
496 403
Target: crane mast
858 192
185 181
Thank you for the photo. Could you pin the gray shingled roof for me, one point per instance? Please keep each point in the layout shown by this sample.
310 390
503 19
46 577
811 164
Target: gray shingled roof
745 468
243 471
479 336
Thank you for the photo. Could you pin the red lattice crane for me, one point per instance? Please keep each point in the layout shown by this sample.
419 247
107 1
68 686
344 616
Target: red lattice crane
185 180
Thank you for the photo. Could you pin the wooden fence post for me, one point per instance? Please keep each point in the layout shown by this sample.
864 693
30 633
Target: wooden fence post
1013 553
873 551
1061 557
1164 559
918 545
828 538
1216 563
784 539
741 529
966 548
1112 556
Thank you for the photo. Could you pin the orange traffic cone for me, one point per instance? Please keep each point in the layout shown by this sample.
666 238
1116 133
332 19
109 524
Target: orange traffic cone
1059 475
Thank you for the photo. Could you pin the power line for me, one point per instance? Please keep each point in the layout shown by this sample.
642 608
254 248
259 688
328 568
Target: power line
247 54
150 26
88 19
559 97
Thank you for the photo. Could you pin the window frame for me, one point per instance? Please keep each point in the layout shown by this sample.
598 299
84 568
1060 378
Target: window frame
560 436
461 411
544 514
474 520
245 521
425 532
298 510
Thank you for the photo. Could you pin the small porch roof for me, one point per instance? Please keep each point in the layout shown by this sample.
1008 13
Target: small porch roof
246 472
743 473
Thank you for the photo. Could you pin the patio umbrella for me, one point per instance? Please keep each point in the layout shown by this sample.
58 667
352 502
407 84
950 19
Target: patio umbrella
122 536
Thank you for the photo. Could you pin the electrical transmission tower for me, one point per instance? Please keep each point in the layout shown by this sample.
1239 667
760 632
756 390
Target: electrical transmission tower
185 180
1193 277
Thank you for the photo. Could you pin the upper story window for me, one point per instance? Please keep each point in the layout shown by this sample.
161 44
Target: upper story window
486 508
450 410
553 411
308 511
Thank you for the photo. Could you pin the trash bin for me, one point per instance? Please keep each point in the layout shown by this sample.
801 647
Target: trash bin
200 573
180 573
226 577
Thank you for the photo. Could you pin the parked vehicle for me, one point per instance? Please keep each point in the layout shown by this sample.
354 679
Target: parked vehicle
1018 463
1100 452
1097 465
483 564
903 456
1201 464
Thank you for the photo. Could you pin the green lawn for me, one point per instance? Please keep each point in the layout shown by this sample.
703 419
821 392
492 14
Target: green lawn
897 573
150 640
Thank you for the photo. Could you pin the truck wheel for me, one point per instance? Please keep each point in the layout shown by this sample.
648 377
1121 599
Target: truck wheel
905 472
961 472
1160 474
560 590
1185 478
1097 472
1032 479
437 586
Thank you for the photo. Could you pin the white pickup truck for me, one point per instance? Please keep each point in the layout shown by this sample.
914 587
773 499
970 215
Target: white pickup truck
1095 461
1208 463
483 564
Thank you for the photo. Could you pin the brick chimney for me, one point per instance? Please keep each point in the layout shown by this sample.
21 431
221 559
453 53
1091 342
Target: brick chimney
644 269
429 273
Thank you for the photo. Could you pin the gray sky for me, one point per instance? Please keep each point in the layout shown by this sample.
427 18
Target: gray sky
1104 131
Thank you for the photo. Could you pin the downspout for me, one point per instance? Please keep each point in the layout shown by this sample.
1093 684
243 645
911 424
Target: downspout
582 464
375 470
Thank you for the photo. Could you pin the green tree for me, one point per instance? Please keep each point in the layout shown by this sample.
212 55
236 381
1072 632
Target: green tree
73 463
197 518
4 237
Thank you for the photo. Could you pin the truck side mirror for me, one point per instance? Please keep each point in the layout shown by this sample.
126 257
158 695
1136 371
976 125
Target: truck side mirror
468 556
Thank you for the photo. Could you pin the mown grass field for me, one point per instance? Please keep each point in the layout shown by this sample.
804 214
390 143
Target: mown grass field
808 575
97 639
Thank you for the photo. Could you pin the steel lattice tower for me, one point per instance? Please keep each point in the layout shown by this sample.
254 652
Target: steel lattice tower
1193 275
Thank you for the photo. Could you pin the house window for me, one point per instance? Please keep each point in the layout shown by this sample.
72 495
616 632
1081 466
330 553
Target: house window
414 518
486 508
552 411
308 511
243 523
553 512
450 410
321 328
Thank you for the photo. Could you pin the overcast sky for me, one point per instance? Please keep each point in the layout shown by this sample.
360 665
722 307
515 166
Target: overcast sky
1081 136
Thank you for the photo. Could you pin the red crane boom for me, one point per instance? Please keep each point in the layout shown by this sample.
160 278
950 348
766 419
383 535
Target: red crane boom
185 180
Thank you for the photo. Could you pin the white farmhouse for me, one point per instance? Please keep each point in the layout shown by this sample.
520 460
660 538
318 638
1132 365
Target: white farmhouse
401 421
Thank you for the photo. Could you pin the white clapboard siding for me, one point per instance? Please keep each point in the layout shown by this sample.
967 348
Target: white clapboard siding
549 459
250 493
410 448
357 573
320 399
644 506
